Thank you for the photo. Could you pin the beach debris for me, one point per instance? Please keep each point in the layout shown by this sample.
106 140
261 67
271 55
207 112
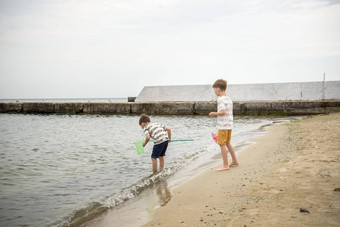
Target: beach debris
282 170
337 189
274 191
304 210
293 216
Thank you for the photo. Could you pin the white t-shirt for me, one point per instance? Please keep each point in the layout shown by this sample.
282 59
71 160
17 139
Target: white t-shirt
225 122
157 132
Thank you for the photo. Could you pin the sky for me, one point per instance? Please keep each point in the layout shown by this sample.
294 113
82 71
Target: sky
113 48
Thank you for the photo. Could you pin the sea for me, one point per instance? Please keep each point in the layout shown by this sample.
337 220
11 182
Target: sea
55 169
67 100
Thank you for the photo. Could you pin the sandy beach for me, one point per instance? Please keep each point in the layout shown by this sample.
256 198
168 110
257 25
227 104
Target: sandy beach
293 168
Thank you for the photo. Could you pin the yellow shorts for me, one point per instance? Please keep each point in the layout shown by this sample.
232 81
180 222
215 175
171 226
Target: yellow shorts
224 137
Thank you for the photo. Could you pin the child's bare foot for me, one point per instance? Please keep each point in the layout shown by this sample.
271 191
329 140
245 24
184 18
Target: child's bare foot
158 171
234 164
223 169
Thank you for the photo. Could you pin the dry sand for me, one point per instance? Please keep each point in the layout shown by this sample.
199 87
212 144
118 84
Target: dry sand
296 165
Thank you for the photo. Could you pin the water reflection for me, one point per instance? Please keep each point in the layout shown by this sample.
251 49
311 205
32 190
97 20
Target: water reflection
163 193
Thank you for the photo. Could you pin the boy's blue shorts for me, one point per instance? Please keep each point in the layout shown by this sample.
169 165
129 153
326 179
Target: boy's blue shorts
159 149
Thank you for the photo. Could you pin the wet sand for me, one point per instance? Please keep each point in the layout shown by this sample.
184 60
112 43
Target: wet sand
296 165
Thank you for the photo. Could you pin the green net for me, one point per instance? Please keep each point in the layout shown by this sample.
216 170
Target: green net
139 146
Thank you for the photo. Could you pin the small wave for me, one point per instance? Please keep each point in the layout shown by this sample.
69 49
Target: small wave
131 192
136 189
147 182
85 214
82 215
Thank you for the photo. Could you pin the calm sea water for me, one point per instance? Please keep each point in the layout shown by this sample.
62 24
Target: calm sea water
67 100
55 168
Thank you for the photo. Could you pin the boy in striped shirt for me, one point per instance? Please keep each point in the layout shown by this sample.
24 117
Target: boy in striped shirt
224 123
161 136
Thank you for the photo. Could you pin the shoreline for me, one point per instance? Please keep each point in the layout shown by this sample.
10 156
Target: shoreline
245 195
118 214
279 174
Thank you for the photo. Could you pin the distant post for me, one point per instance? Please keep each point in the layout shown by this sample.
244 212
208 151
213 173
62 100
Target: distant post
131 99
324 86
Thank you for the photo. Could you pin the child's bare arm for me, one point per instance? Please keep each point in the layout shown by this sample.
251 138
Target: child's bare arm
147 138
220 113
169 133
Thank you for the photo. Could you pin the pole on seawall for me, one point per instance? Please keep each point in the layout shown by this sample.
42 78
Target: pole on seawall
323 86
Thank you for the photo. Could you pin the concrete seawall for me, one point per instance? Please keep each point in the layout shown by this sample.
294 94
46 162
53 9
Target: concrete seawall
300 91
174 108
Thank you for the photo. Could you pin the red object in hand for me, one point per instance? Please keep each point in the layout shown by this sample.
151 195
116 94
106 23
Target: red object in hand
214 136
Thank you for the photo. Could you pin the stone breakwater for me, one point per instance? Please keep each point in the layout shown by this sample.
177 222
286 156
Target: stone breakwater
174 108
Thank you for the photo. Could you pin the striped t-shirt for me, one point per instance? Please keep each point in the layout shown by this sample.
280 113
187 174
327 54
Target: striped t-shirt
157 132
225 122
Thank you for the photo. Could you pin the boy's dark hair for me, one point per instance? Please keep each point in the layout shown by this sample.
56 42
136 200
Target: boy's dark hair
144 119
221 84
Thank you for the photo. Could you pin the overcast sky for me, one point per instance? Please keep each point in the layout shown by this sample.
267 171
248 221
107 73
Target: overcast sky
112 48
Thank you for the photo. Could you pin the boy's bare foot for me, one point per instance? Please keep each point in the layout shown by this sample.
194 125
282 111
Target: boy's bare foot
157 172
234 164
223 169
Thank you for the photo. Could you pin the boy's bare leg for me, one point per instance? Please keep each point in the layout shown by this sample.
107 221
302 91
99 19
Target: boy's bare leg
233 155
154 165
161 163
225 158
